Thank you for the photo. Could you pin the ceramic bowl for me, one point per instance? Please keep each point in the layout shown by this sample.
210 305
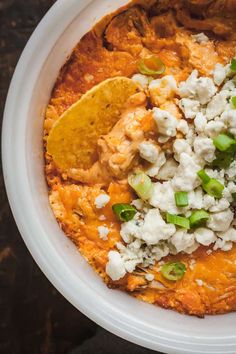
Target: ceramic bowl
22 152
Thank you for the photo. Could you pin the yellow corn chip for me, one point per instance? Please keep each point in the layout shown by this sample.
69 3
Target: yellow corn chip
72 141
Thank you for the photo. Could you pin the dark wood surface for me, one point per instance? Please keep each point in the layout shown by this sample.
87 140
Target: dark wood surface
34 317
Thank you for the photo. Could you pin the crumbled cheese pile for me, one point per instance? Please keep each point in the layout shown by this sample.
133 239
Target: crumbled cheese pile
101 201
207 111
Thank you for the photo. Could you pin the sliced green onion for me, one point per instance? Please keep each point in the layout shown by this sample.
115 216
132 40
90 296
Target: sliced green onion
198 218
124 212
204 176
151 65
173 271
211 185
142 184
233 101
181 199
213 188
226 147
233 65
234 197
178 220
223 159
224 142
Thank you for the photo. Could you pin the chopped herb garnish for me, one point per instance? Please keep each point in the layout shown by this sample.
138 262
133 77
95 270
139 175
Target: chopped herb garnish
198 218
178 220
142 184
233 101
124 212
233 65
181 199
204 176
211 185
223 159
224 143
213 188
173 271
151 65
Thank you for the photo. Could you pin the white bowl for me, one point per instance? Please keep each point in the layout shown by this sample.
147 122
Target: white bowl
23 164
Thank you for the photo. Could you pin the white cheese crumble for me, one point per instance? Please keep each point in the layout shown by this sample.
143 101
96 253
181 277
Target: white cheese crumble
206 112
200 38
115 267
208 202
142 80
103 232
204 148
214 128
155 228
200 122
186 178
163 197
155 168
189 107
183 127
229 118
220 221
229 235
149 277
217 105
205 90
181 146
219 205
195 199
204 236
200 89
199 282
166 122
183 241
102 218
148 151
219 74
223 245
168 170
101 201
187 88
163 139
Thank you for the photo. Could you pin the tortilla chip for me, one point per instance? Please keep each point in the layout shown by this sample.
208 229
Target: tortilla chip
72 142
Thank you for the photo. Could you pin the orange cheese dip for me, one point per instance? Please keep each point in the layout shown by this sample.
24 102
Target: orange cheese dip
114 48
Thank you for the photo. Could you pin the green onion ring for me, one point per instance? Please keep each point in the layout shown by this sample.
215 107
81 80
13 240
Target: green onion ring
124 212
173 271
151 66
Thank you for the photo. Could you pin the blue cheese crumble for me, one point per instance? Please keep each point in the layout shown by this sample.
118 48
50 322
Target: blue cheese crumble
207 111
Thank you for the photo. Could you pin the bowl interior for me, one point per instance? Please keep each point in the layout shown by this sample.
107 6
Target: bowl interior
33 81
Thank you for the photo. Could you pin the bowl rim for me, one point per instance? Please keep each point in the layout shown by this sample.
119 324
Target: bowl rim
11 158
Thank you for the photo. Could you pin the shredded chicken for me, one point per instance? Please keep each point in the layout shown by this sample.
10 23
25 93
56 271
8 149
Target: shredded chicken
118 149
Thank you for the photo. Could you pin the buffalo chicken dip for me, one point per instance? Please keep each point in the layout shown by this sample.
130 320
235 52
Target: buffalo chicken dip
140 144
